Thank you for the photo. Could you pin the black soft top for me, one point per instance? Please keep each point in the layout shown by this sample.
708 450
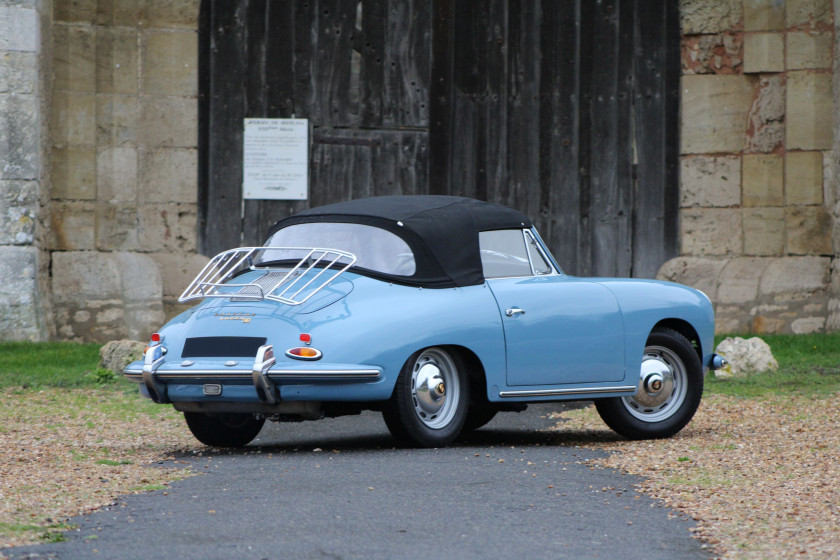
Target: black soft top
442 231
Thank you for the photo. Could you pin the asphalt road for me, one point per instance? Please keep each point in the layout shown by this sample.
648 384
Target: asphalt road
339 489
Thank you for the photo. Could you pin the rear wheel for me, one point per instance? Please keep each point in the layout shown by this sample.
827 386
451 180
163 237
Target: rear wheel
670 387
430 400
224 430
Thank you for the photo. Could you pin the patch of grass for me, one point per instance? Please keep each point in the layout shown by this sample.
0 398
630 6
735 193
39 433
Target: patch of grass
111 463
809 364
48 364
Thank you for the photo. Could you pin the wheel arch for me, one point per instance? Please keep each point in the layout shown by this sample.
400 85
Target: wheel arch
686 329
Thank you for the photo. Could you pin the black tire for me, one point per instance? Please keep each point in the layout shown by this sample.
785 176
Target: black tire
670 387
224 430
477 417
430 400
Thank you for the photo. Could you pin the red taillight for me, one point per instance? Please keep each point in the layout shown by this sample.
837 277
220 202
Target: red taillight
306 337
155 337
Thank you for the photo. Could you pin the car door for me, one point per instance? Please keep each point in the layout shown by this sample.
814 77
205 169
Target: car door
558 329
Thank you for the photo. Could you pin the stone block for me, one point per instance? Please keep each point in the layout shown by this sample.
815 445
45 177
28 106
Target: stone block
18 72
73 173
106 296
73 226
795 275
168 122
739 280
809 111
177 270
74 58
169 14
116 175
699 273
21 316
123 13
170 65
117 227
712 54
714 112
731 319
764 52
809 13
766 126
764 15
808 50
711 232
808 325
116 60
762 180
167 227
19 211
168 175
708 181
764 231
73 119
20 29
74 11
709 16
804 178
116 120
19 137
808 230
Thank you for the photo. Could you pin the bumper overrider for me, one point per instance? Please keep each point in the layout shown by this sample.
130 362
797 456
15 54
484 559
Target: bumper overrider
156 375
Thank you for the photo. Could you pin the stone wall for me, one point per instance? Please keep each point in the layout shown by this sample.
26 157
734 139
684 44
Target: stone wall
123 145
23 85
757 138
98 108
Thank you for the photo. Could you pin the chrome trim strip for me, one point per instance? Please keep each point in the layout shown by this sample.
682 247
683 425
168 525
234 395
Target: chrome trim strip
171 374
560 392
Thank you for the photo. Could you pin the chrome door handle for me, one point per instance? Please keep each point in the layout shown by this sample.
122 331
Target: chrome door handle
514 311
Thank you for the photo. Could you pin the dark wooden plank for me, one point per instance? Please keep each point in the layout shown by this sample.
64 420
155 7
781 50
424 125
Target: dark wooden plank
671 110
441 93
407 59
604 199
205 19
650 129
586 63
371 45
521 189
278 59
495 39
224 140
559 130
256 70
626 154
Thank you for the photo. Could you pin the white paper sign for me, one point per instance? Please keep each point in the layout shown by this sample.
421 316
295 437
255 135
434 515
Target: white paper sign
276 159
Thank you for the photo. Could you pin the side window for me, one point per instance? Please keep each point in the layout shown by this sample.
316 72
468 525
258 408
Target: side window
503 253
541 266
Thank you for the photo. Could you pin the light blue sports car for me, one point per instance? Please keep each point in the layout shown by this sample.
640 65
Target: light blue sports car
437 311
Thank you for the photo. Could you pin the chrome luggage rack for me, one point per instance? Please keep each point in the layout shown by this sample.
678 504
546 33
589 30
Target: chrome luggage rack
292 286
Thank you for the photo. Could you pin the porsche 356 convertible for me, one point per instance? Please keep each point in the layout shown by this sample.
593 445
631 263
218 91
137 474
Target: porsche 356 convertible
437 311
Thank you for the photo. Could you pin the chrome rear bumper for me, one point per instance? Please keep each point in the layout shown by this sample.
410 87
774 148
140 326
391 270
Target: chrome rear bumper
156 374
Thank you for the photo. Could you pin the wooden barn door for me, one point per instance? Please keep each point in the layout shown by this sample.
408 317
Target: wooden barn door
565 109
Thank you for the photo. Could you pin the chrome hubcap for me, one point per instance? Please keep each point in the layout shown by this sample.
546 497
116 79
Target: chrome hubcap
435 388
662 386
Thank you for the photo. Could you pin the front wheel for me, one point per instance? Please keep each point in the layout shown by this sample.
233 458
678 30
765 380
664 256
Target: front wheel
224 430
429 404
670 387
